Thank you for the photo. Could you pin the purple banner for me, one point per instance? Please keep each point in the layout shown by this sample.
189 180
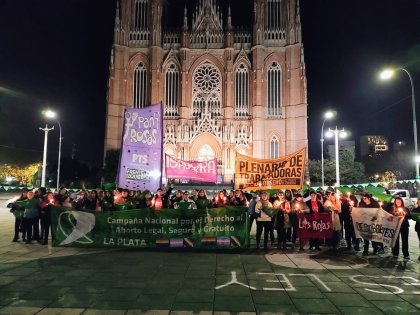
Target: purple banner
141 150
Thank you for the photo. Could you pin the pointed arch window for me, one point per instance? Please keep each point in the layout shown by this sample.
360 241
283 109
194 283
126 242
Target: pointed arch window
274 90
171 91
274 148
241 91
140 86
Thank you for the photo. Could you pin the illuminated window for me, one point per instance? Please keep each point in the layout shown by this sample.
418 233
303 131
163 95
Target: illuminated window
171 91
140 86
274 90
274 148
241 91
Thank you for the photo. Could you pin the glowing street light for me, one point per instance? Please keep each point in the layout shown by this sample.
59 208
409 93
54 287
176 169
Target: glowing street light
53 115
388 74
44 158
342 134
327 115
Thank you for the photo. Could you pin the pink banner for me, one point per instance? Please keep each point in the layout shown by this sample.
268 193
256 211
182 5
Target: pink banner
193 170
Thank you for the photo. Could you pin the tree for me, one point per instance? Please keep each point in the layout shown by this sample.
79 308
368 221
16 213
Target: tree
110 169
75 173
351 172
22 174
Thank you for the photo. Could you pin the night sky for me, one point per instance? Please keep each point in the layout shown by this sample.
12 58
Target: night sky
56 54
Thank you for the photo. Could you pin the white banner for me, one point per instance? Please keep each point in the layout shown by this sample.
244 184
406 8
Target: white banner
375 224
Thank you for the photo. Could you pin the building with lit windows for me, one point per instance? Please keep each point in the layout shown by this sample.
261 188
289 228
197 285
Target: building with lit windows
225 88
373 144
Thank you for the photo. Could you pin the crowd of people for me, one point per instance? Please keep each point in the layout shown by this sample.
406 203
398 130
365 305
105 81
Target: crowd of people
339 206
33 214
33 218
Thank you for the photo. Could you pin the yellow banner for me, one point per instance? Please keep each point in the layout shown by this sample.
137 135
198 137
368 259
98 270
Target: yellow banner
256 174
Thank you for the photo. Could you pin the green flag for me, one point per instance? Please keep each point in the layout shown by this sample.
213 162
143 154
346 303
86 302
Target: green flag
415 216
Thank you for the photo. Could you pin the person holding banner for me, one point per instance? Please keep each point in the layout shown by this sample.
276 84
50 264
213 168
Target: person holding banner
202 202
176 198
161 198
238 199
368 202
264 221
186 202
315 206
400 211
220 200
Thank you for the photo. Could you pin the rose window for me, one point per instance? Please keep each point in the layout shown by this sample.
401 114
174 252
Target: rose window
207 78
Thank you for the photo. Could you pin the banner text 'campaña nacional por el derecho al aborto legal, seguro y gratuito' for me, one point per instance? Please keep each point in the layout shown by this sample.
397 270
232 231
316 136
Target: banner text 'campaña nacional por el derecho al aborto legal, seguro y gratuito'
168 228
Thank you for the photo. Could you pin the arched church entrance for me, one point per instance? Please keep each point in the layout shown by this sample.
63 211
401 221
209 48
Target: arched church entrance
206 147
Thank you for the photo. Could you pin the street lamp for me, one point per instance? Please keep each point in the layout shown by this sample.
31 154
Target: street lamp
52 115
387 74
44 158
327 115
342 134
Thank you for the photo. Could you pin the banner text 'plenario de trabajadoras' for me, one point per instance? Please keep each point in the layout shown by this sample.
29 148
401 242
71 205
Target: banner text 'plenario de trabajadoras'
282 173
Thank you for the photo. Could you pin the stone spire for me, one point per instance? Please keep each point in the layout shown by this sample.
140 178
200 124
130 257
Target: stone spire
298 25
229 30
185 40
117 25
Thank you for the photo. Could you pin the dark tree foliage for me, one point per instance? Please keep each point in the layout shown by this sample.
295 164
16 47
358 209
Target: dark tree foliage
110 169
74 173
351 171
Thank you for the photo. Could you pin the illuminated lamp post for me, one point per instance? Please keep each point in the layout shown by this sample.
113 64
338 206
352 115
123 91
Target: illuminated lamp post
53 115
387 74
342 134
44 158
327 115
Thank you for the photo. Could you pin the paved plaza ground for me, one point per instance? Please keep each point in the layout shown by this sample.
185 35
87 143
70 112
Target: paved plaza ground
37 279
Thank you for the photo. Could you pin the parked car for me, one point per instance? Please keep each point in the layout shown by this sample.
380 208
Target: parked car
409 201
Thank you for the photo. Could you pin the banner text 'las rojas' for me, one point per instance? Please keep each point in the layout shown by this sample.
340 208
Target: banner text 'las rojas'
205 171
285 172
141 150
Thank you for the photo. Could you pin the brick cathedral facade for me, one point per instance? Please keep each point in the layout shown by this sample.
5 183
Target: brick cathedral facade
224 88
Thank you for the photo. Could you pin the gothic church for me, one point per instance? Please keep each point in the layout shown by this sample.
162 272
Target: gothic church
225 88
